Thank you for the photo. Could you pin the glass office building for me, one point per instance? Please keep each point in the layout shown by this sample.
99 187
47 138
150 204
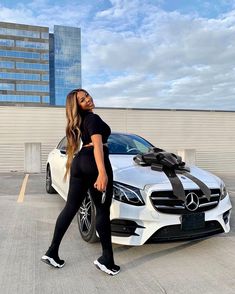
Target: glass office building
67 62
37 66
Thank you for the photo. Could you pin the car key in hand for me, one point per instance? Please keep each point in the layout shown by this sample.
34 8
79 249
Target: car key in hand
103 197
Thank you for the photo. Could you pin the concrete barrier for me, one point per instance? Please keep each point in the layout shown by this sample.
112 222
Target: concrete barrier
32 157
188 156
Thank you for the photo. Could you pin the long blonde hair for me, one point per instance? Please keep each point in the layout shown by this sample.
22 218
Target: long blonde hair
73 132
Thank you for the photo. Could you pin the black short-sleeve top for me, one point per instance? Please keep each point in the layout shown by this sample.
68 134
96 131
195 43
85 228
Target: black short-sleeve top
92 124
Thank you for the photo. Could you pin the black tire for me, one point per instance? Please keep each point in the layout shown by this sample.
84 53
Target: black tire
49 188
86 220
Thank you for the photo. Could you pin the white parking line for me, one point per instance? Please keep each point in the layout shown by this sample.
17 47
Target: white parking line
22 190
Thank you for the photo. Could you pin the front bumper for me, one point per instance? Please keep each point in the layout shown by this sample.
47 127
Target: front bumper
136 225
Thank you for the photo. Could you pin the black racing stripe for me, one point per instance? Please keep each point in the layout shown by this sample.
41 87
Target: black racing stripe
177 186
200 184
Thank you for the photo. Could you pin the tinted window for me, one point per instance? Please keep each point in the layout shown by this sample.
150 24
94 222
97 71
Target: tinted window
120 144
20 54
20 98
31 87
127 144
62 145
19 76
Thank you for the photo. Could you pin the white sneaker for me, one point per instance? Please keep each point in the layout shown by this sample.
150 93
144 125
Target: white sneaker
51 261
110 271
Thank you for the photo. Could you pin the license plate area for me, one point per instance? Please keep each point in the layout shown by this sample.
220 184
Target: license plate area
192 221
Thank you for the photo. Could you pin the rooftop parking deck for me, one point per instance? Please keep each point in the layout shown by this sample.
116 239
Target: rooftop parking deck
26 228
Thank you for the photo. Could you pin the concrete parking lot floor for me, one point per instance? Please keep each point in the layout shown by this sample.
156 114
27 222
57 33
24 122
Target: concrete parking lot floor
202 266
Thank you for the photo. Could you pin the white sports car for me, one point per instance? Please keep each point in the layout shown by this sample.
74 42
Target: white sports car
148 203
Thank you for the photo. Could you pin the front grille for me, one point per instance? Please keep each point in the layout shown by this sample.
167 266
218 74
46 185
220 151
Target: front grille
167 202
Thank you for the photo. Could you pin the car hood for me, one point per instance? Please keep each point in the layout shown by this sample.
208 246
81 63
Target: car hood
128 172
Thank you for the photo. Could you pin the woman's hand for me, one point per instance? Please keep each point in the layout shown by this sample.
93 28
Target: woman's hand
101 182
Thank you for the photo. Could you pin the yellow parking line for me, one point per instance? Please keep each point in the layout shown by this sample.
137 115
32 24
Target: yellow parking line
22 190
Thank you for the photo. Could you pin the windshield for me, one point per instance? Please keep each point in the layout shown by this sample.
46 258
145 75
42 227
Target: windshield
127 144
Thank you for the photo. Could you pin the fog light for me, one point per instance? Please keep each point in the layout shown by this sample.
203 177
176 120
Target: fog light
226 216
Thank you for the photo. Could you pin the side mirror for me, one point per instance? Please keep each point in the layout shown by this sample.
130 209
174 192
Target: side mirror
63 151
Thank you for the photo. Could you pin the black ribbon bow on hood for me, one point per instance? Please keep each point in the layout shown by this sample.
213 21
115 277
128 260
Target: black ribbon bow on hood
171 164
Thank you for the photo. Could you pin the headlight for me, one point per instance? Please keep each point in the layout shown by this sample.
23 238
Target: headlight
223 191
127 194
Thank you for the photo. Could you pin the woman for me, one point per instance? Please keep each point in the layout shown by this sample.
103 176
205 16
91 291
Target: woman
89 169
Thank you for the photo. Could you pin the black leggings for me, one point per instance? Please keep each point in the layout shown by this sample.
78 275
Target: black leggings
82 177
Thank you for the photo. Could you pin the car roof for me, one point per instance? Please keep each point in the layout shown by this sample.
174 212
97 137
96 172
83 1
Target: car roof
123 133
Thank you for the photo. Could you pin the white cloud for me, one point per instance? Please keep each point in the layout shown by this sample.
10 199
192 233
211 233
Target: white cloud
42 12
185 61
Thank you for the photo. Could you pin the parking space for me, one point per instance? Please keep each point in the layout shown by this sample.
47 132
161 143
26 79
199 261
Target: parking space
26 229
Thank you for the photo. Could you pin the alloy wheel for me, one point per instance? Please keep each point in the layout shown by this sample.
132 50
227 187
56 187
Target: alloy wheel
85 216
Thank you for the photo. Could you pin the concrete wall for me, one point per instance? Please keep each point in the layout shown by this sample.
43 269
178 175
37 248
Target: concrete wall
211 134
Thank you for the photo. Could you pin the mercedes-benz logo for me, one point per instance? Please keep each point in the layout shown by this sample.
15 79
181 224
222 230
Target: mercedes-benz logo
192 201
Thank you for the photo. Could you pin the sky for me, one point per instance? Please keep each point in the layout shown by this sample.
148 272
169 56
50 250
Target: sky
161 54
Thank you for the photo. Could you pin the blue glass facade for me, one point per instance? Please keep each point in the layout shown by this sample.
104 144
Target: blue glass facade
67 61
36 66
52 69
